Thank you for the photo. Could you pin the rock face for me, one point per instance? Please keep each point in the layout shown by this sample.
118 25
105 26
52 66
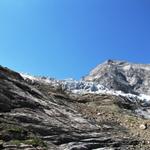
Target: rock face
37 116
124 76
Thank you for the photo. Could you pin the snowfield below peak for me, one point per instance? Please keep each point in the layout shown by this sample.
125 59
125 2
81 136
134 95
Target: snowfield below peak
84 87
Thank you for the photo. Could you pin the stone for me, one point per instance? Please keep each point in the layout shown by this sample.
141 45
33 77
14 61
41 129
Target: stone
143 126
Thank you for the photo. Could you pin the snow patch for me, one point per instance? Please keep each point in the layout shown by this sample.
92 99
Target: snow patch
84 87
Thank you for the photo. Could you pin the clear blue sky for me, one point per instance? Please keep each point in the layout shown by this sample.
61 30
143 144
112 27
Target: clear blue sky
67 38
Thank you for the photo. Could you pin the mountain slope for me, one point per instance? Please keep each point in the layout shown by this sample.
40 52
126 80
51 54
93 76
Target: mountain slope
42 114
123 76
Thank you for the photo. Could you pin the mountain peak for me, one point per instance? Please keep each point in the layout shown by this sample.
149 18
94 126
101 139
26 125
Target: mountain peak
115 62
109 61
123 76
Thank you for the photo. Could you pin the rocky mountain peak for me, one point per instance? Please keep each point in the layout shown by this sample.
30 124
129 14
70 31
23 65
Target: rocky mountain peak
123 76
114 62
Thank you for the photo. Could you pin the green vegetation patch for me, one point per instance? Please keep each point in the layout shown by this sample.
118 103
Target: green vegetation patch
35 142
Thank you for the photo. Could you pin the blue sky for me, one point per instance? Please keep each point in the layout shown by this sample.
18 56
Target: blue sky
67 38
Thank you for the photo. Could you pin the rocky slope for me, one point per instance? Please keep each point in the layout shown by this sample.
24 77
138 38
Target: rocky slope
42 114
123 76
